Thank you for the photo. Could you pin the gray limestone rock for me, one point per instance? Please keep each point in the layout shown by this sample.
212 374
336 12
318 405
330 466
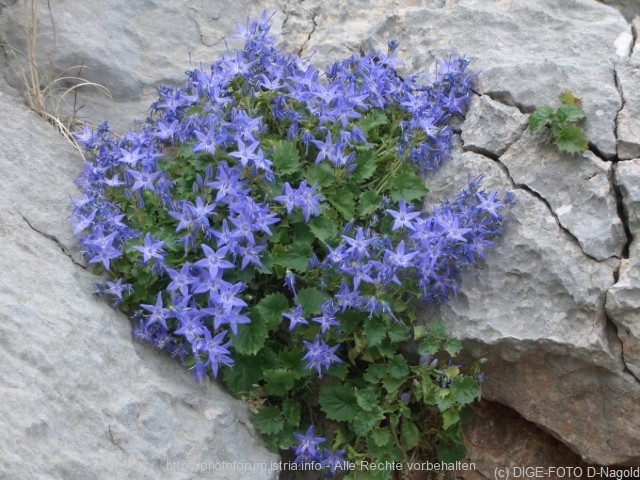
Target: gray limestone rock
623 299
491 126
534 312
628 75
629 8
132 49
577 188
80 398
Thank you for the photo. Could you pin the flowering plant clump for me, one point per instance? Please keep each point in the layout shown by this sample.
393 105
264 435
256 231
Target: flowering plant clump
265 225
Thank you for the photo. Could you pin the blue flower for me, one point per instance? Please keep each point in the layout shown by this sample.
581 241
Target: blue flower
217 352
306 451
150 249
319 355
295 318
180 280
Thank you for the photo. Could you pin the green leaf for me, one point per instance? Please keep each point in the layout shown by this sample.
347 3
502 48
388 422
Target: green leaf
311 298
291 412
338 402
268 420
450 453
452 371
374 373
398 367
271 307
387 348
569 114
246 371
381 436
295 256
281 440
392 385
540 118
278 381
449 418
568 98
410 434
438 330
464 389
419 331
250 337
324 228
364 422
365 166
338 370
452 346
444 400
349 320
571 139
366 399
375 330
407 186
398 332
322 174
373 119
368 203
285 157
343 202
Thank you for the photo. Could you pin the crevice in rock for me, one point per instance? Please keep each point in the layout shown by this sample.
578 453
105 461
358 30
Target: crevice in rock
528 189
506 98
113 440
616 82
285 11
634 36
614 330
306 42
53 239
623 214
593 148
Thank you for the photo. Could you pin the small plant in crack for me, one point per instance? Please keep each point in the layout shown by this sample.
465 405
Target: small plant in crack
568 137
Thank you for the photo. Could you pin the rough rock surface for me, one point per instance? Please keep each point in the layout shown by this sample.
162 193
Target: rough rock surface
629 8
623 299
494 426
507 124
553 308
80 398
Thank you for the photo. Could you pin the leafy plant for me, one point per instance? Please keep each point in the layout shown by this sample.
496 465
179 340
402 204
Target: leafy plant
266 224
47 95
568 137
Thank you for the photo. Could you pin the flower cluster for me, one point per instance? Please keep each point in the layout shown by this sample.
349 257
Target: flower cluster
306 452
267 211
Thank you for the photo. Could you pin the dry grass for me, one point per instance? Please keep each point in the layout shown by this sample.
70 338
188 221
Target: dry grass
53 97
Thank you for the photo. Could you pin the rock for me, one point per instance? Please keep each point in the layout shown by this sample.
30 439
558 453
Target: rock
623 299
534 310
635 53
627 178
628 76
497 436
132 50
629 8
81 399
577 188
507 124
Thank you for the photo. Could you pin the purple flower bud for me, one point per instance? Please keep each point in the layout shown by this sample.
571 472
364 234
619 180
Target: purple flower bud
290 282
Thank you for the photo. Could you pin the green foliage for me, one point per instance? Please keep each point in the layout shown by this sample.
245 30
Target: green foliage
568 137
